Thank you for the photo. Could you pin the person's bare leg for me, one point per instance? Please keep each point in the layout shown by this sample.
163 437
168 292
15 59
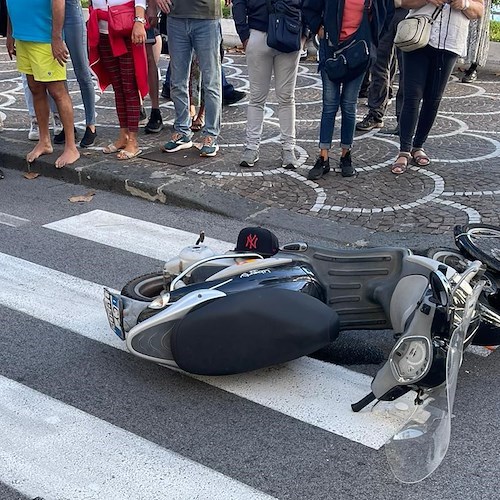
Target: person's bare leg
131 147
41 104
60 94
153 52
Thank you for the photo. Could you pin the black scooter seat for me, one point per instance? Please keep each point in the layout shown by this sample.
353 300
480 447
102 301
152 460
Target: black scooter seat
250 330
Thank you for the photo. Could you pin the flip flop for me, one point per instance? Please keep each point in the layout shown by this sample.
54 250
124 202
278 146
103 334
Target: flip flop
110 148
127 155
421 159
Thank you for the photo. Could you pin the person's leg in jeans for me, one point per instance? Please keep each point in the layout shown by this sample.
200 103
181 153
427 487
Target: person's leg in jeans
330 106
259 57
206 41
442 63
75 37
348 107
181 53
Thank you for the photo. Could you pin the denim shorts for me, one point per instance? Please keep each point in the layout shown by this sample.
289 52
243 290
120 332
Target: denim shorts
151 34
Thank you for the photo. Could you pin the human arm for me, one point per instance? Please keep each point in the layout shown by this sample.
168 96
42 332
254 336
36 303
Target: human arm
164 5
240 16
59 49
313 11
152 13
10 43
473 9
139 29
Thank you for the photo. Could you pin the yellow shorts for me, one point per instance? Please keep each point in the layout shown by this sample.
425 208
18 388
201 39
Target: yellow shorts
34 58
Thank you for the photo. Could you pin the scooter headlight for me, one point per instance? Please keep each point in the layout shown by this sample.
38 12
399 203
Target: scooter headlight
410 359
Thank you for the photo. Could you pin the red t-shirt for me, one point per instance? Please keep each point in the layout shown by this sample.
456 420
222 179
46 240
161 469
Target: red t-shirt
353 14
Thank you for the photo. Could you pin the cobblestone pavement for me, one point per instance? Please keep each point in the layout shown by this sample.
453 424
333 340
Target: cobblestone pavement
462 184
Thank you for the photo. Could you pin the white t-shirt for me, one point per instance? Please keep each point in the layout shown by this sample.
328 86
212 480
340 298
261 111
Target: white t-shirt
450 29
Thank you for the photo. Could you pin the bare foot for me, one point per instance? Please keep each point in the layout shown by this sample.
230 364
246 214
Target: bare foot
39 150
69 156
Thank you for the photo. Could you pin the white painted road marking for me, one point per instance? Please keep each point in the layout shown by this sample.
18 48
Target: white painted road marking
53 450
134 235
314 392
12 220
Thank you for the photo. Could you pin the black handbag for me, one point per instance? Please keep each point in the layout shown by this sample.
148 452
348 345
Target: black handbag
346 62
284 31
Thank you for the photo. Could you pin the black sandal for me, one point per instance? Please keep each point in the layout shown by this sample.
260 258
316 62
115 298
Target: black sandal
399 168
421 159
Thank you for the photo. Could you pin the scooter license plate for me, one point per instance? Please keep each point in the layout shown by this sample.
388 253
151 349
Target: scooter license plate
114 310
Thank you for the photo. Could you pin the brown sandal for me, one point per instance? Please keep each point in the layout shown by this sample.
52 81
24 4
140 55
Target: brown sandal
399 168
419 158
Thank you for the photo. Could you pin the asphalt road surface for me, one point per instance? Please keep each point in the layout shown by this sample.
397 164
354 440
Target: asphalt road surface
83 419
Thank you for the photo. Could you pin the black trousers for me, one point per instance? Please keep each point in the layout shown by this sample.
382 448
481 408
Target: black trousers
378 92
426 74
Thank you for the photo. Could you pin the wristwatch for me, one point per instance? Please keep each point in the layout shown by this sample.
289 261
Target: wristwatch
138 19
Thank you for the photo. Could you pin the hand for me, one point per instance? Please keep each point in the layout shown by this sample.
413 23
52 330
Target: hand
227 3
321 33
245 43
60 51
437 3
164 5
459 4
138 33
10 43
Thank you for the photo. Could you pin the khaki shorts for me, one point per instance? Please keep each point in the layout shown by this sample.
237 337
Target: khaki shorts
34 58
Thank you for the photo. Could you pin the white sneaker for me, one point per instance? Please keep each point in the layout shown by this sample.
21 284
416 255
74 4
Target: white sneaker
34 133
57 124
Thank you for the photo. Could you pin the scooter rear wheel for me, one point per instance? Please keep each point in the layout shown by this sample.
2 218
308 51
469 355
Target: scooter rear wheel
480 241
146 287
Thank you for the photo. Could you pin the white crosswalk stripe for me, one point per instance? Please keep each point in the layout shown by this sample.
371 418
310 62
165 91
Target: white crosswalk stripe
86 457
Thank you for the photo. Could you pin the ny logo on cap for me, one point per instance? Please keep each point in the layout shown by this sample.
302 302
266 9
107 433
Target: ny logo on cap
251 242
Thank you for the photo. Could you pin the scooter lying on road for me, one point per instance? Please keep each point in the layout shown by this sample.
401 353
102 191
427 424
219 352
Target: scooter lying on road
262 305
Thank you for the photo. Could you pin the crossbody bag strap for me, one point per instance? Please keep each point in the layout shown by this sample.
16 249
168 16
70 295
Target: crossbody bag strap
340 14
436 12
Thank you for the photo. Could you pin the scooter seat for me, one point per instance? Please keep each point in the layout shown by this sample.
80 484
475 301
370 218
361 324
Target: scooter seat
250 330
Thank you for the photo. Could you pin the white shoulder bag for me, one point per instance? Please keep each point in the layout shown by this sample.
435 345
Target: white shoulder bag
414 32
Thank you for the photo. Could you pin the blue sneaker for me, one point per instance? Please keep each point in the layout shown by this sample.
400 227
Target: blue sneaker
177 142
209 146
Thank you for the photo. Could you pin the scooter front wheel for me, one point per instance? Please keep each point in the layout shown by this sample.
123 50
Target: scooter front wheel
481 241
146 287
488 332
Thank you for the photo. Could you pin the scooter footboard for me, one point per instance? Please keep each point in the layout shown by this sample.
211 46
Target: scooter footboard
251 330
359 283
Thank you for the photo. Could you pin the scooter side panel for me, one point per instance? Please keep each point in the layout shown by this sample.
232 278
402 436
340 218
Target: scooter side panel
244 332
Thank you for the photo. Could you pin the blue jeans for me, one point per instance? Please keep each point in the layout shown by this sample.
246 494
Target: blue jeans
204 37
75 38
344 95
